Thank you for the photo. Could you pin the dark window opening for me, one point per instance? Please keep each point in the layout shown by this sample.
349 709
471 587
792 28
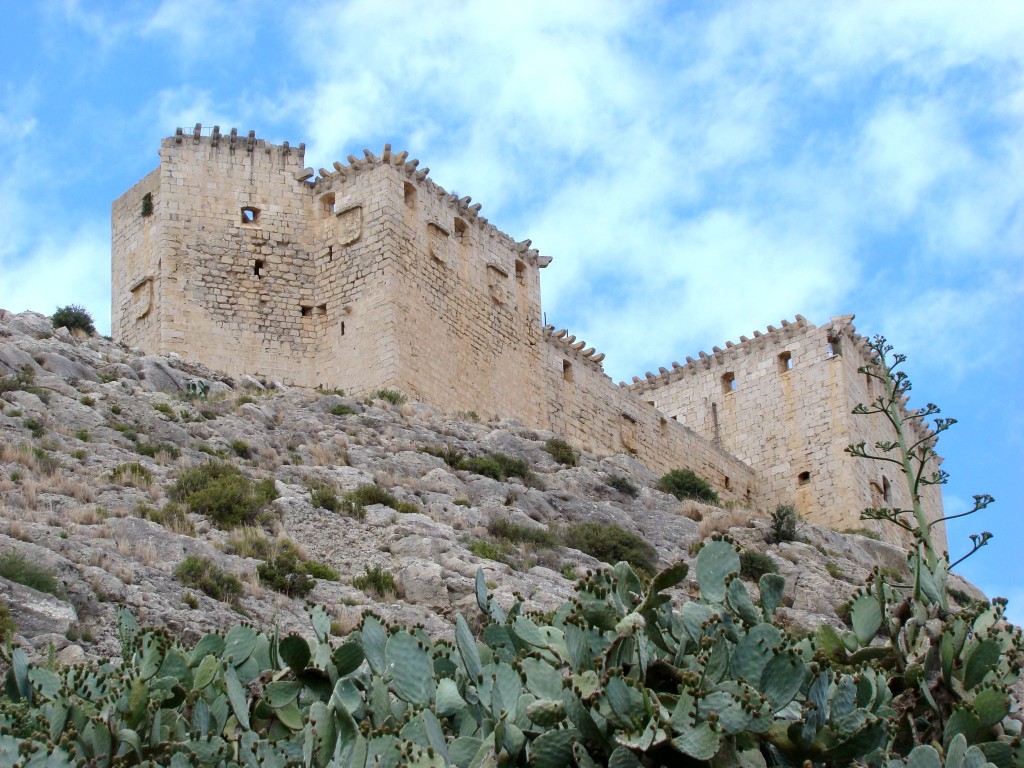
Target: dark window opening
520 272
714 420
327 205
321 309
803 478
342 327
250 215
567 371
147 204
410 195
307 311
461 231
330 253
886 490
728 483
651 403
728 382
748 495
257 267
675 418
786 361
834 348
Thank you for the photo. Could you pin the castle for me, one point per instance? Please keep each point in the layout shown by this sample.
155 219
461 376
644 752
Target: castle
234 254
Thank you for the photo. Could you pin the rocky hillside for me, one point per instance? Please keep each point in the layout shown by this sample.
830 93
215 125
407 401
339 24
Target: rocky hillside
311 496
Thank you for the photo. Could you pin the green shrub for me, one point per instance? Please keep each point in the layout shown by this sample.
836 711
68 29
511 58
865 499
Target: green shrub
241 449
166 410
35 427
376 581
171 515
286 574
245 400
7 626
116 410
754 565
611 543
622 485
833 570
323 496
320 570
17 381
203 574
354 503
132 473
341 410
88 401
562 452
223 493
392 396
449 454
499 551
497 466
152 449
83 435
504 529
15 567
73 317
865 532
686 484
784 521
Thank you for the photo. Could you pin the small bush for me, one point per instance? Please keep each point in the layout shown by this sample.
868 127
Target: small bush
392 396
540 537
341 410
562 452
354 503
449 454
152 449
35 427
622 485
73 317
497 466
286 574
132 473
245 400
611 543
687 484
166 410
784 520
20 380
15 567
376 581
88 401
866 532
171 515
499 551
7 627
320 570
223 493
324 497
116 410
833 570
203 574
241 449
754 565
83 435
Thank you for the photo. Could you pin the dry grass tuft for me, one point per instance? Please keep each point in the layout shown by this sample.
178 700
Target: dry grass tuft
722 522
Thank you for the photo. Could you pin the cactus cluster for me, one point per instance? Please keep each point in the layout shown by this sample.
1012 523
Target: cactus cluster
618 676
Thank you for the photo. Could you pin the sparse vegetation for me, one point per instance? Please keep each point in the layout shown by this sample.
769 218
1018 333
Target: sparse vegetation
611 543
754 564
83 435
166 410
132 473
203 574
497 466
784 522
7 626
17 568
324 496
341 410
241 449
562 452
152 449
377 581
285 574
88 401
171 515
354 503
449 454
392 396
220 491
687 484
73 317
863 531
622 485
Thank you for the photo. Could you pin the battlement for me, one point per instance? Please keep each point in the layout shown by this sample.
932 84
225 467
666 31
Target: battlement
369 274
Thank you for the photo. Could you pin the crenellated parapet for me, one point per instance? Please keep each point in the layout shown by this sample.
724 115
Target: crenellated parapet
570 347
231 141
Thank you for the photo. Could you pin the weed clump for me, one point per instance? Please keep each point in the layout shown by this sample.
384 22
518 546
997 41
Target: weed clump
754 564
376 581
354 503
562 452
784 521
323 496
687 484
449 454
17 568
131 473
392 396
611 543
497 466
341 410
73 317
622 485
224 494
203 574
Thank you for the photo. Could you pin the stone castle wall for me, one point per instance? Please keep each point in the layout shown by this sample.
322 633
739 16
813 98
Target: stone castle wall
370 275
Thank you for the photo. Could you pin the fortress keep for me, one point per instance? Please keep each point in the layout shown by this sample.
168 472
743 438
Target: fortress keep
233 253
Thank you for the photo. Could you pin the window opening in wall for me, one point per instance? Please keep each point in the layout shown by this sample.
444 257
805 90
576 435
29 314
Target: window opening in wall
567 371
250 215
834 348
330 253
675 418
650 403
520 272
886 490
728 382
728 483
803 478
147 204
748 495
461 230
342 327
786 361
307 311
327 205
321 309
257 267
663 427
714 420
410 194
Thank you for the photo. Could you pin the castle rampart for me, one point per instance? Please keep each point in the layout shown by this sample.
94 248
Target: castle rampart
234 253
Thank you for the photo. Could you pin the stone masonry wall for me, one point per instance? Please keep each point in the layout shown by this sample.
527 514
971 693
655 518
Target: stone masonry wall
782 403
589 410
135 272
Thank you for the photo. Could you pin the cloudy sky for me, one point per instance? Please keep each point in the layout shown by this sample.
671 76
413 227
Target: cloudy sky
698 170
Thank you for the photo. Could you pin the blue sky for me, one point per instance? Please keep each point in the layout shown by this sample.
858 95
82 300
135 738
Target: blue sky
698 170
